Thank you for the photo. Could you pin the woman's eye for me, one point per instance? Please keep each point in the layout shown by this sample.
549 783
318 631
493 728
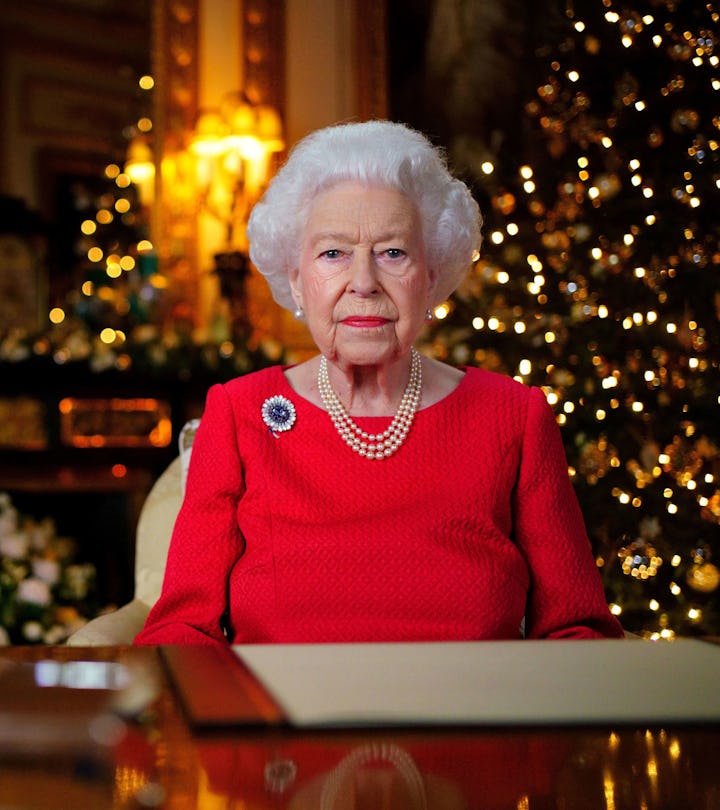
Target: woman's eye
333 253
394 253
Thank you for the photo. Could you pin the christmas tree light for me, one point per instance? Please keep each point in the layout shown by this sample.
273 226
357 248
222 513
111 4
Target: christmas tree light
599 282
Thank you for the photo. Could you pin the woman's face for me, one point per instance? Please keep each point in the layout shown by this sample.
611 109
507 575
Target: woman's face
362 279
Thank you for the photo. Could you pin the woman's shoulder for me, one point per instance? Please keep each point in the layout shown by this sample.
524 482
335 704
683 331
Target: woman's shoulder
255 382
493 383
246 390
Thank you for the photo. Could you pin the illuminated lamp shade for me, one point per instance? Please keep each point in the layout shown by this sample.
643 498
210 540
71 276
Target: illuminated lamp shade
269 128
140 167
242 135
209 134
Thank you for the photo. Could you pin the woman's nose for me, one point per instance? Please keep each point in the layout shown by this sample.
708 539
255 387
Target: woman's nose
363 274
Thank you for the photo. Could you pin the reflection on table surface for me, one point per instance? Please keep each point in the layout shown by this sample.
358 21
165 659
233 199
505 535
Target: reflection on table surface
118 749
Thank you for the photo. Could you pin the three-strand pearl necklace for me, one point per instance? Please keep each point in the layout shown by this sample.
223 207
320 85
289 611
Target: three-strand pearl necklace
374 445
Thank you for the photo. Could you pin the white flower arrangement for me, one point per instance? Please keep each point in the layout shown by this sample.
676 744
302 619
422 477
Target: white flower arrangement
44 595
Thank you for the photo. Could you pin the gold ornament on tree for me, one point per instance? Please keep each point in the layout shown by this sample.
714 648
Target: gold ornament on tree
703 576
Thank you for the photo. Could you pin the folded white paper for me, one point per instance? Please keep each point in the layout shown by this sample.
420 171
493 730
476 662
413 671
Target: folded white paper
491 683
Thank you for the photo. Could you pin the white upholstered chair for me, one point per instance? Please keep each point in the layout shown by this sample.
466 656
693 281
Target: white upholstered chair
154 529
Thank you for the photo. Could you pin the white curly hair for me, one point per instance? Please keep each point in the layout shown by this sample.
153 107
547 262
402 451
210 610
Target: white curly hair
375 152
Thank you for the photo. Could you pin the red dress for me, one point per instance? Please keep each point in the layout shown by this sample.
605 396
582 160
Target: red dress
470 531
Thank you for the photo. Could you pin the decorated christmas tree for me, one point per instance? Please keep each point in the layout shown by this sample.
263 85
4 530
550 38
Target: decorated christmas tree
599 281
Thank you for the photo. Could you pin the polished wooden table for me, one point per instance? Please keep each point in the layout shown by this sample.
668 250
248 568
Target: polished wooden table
62 748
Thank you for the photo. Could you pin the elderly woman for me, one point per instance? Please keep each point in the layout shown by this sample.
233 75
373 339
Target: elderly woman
372 493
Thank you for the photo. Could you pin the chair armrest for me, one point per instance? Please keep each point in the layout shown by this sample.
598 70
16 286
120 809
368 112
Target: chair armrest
119 627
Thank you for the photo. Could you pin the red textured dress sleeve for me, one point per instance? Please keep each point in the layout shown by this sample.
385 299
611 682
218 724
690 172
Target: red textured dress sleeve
206 540
566 598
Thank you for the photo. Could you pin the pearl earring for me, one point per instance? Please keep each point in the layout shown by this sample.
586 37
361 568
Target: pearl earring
428 315
298 313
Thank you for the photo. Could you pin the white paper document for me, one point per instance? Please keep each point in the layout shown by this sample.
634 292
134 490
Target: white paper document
491 682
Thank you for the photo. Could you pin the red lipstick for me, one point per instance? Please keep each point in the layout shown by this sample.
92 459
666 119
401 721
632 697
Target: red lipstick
367 321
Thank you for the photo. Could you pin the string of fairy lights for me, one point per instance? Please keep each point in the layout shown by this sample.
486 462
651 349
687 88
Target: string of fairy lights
558 267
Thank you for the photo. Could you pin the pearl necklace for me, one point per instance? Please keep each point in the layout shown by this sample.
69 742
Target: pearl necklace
374 445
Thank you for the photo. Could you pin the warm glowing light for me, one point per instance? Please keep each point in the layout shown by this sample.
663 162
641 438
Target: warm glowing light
573 75
615 609
146 82
529 186
512 229
493 324
107 335
88 227
487 167
526 172
95 254
525 367
603 311
534 262
478 323
56 315
519 327
503 277
497 237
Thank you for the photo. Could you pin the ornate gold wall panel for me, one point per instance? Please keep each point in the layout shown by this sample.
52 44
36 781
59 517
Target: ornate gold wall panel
175 67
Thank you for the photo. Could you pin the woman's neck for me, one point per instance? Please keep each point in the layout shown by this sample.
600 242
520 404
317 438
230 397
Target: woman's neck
370 390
